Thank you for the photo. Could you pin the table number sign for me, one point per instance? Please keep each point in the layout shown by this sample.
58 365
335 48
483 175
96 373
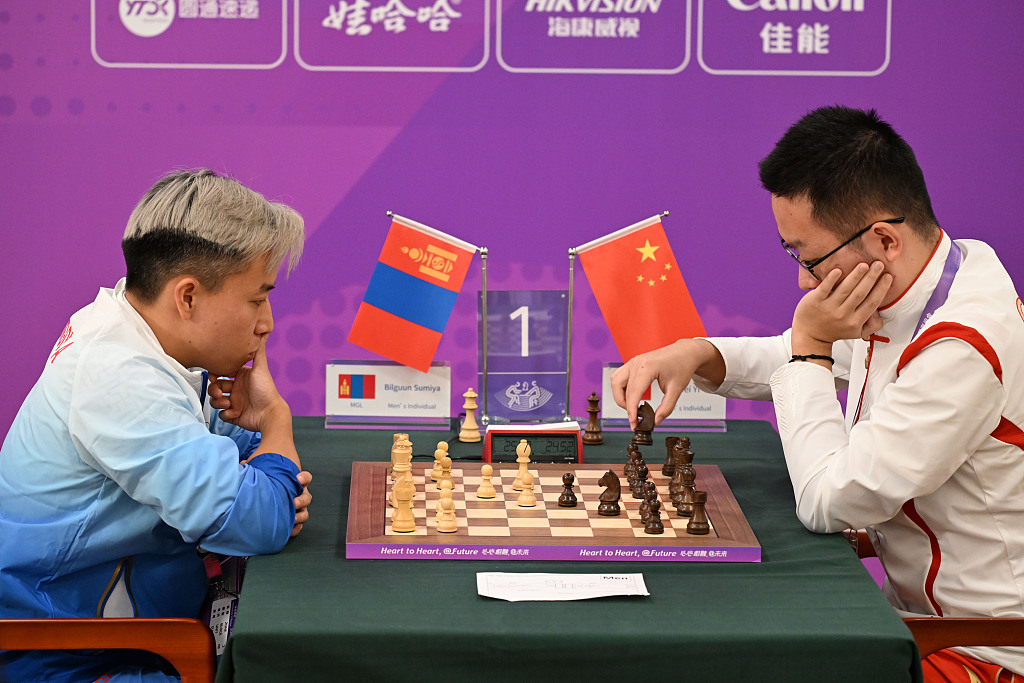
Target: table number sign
525 355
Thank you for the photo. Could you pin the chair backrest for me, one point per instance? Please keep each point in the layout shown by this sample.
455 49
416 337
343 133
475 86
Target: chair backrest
936 633
186 643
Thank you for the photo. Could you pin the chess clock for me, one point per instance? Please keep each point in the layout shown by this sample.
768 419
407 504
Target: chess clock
546 445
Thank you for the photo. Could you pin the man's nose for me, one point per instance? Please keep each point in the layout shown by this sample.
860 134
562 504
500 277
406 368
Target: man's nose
806 281
265 323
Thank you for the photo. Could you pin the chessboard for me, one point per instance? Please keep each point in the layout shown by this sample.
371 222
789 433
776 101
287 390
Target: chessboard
498 529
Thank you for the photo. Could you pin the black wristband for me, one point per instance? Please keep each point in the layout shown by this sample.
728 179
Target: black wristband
814 356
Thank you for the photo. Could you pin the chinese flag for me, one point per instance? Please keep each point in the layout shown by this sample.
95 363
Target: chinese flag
637 284
411 293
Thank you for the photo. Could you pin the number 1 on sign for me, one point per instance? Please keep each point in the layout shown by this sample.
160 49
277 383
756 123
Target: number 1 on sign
524 329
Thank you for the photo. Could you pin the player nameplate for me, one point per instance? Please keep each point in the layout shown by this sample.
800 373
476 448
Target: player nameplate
695 409
498 529
382 392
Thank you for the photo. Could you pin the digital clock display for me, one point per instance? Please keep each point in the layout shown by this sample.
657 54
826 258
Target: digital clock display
544 447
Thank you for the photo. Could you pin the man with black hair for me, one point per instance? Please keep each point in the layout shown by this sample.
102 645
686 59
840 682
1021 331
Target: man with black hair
149 435
927 334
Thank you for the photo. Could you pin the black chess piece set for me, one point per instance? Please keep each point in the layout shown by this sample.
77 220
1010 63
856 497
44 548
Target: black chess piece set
683 493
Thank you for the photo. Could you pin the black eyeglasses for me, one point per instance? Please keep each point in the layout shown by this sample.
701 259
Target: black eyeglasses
810 265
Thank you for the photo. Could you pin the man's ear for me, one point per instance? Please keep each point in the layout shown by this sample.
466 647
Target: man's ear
890 239
184 290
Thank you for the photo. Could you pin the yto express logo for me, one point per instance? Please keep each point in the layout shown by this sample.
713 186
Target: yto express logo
146 18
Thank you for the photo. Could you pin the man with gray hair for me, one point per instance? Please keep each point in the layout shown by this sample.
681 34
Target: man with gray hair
155 428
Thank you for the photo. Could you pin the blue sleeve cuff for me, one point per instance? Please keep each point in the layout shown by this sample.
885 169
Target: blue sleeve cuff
261 519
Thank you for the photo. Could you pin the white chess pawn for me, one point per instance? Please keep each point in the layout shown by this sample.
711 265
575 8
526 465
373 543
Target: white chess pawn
523 458
486 488
442 450
446 472
446 522
526 498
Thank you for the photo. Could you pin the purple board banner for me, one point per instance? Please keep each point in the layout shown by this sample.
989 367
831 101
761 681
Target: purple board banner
587 134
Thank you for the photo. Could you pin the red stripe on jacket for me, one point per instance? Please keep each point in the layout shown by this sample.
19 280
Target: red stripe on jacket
1006 431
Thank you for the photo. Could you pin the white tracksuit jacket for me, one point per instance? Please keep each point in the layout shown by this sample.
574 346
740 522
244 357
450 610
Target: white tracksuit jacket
931 463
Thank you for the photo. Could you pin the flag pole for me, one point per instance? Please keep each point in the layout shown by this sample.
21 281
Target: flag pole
568 343
619 233
484 416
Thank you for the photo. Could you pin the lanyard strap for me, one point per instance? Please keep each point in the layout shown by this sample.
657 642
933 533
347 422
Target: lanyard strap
941 290
938 297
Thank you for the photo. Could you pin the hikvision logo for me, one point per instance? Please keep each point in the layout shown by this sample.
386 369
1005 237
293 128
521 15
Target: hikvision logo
146 18
595 6
800 5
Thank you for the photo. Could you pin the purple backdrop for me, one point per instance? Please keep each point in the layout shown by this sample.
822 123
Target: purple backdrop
527 135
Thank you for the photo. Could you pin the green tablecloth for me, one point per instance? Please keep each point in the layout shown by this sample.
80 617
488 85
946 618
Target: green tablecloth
808 611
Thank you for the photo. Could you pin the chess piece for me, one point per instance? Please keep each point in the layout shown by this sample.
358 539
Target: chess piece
609 506
401 466
442 450
446 473
688 478
644 425
675 486
526 498
446 522
470 430
568 498
486 488
402 519
669 468
523 458
397 437
699 524
592 432
637 488
629 470
650 491
654 525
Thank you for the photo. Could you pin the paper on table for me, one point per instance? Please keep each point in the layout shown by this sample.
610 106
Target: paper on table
519 587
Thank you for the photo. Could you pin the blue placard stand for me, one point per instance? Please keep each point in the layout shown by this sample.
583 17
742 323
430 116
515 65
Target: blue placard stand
523 355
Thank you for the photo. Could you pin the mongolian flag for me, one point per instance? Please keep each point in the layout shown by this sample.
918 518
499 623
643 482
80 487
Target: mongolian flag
638 286
411 293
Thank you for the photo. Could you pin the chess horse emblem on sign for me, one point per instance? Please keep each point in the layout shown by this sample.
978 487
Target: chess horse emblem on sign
523 396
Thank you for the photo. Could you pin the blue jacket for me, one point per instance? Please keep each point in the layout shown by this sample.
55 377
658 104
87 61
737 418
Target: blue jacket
114 471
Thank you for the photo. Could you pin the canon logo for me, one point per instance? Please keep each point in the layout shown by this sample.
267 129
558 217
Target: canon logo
800 5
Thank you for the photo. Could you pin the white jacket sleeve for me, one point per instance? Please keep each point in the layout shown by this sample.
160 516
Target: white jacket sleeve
943 405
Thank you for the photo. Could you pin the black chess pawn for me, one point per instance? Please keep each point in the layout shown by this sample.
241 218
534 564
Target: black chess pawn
637 488
568 498
629 470
644 425
592 432
669 468
685 505
699 524
650 495
654 524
